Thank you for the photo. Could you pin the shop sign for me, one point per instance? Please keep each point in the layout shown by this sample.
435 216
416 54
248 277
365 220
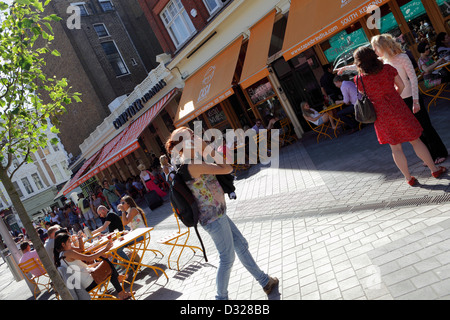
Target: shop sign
137 105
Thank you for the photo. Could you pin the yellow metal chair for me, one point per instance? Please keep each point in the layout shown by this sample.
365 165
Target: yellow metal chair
321 130
178 239
435 92
100 292
42 280
286 134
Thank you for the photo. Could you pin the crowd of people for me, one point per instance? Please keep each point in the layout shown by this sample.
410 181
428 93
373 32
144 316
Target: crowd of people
387 75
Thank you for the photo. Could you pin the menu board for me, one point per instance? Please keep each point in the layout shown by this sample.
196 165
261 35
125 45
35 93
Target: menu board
260 91
216 115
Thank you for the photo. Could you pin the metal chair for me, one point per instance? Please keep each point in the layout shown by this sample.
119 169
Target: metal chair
178 239
42 280
434 92
321 130
287 136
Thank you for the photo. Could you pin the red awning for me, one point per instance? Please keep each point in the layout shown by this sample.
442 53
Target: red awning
80 172
102 154
129 142
122 145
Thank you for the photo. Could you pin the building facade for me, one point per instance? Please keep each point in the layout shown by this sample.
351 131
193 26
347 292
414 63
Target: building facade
104 57
232 62
39 182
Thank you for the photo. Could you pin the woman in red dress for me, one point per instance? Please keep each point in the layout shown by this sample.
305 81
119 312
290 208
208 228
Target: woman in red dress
395 123
149 181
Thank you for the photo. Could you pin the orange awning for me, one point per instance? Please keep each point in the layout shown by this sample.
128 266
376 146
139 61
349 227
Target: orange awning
255 64
209 86
310 21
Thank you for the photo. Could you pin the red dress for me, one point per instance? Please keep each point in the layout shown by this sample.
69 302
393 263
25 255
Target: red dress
395 123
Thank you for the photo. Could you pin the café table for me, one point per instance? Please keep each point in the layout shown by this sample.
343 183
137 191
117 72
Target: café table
330 112
137 248
444 65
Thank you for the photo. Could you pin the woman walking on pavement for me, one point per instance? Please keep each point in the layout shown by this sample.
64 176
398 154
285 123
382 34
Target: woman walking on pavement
395 124
391 52
212 210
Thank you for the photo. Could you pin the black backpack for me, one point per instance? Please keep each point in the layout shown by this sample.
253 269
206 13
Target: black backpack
86 203
183 201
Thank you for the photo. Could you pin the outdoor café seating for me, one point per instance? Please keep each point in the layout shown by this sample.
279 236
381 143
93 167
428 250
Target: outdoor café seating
42 280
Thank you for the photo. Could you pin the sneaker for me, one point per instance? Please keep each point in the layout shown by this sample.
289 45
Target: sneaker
232 196
273 282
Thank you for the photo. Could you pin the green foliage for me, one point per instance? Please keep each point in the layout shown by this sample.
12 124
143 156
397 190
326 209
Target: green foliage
28 97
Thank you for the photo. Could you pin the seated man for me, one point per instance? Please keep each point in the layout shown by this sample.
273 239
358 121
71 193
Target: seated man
350 97
112 220
30 254
258 126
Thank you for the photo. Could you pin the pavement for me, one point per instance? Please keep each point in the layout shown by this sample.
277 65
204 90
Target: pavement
335 221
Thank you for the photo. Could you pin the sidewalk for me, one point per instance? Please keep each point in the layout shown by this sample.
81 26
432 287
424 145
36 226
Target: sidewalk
335 221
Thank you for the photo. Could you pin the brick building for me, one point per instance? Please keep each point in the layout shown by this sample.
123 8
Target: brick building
105 58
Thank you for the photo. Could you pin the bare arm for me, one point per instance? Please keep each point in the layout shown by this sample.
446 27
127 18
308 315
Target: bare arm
73 255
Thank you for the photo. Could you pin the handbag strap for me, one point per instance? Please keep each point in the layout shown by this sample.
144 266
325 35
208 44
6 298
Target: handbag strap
357 84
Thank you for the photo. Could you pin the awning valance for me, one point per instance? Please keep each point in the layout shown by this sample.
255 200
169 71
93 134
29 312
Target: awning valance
210 85
310 21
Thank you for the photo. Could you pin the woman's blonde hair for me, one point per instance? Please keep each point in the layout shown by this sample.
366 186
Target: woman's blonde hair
305 112
387 43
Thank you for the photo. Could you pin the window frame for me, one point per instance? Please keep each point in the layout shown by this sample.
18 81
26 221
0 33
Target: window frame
119 55
189 26
104 26
113 8
83 4
219 4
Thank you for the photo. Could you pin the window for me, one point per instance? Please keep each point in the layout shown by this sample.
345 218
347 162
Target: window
114 58
27 185
19 191
82 6
177 22
106 5
101 30
37 181
213 5
57 173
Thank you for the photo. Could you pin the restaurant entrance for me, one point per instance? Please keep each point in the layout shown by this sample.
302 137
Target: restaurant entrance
298 78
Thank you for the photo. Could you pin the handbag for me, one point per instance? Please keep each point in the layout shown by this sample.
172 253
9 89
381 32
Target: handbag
364 109
102 272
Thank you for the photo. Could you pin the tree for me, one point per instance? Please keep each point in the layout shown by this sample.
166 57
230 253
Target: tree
29 99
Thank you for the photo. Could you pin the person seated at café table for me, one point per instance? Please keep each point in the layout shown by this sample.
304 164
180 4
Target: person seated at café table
443 46
350 97
258 126
427 66
315 117
65 255
31 254
132 215
112 220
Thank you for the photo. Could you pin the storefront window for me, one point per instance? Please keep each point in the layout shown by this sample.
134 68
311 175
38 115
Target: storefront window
216 116
444 5
339 49
264 98
416 17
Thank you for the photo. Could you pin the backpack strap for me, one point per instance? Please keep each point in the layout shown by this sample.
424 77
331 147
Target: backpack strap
184 172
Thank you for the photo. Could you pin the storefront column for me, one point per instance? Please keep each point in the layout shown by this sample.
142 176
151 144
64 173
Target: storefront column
435 16
404 28
285 104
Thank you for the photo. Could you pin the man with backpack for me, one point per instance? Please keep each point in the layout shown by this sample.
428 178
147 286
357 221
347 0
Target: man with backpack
85 207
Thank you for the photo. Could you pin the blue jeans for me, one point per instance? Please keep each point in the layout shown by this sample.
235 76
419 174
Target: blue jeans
228 240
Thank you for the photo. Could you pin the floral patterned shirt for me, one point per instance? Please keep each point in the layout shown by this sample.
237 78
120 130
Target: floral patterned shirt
210 198
136 222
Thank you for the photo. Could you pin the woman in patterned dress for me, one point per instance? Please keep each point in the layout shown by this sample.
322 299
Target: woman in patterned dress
395 123
212 209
